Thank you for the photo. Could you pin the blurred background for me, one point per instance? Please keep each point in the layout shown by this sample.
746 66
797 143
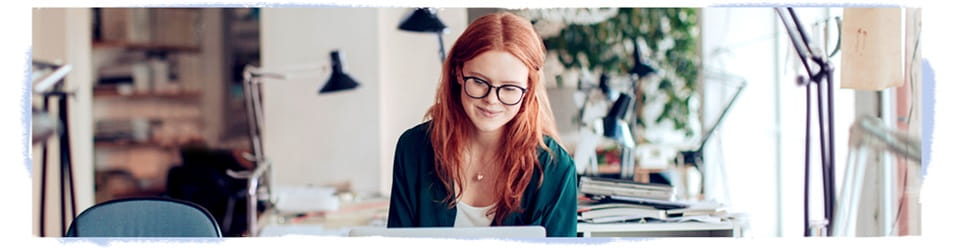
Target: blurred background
703 99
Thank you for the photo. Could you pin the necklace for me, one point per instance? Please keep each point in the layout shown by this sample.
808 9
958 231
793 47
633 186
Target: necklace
479 177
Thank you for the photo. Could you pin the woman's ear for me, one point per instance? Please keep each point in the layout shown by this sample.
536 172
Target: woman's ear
457 76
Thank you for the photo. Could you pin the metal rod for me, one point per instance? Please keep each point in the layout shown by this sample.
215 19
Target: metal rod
791 32
806 171
66 159
825 164
43 175
252 207
827 72
443 52
800 30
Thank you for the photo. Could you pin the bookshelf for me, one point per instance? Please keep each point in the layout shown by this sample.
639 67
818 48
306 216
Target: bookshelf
151 93
134 46
104 92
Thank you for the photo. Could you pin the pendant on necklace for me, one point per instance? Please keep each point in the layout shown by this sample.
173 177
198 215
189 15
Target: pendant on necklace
479 177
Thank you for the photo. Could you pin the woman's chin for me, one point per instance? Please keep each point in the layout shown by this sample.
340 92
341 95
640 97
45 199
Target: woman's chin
487 126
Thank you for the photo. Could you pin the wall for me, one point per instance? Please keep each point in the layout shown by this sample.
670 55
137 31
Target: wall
52 28
315 139
346 136
410 68
740 169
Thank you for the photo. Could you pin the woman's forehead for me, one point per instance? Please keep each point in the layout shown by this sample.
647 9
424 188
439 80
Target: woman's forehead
497 66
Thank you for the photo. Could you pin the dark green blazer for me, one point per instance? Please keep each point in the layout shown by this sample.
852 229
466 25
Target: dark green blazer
417 195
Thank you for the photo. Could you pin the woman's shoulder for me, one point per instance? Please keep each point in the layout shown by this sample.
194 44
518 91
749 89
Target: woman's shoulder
556 159
416 135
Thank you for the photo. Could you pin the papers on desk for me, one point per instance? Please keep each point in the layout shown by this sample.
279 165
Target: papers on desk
617 212
600 186
301 199
606 210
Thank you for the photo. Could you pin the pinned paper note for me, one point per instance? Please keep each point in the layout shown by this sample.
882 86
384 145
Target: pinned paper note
871 48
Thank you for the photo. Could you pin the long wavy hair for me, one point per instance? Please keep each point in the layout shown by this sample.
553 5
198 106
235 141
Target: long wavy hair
522 135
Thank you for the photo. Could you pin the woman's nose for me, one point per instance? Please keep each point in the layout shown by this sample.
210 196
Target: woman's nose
491 98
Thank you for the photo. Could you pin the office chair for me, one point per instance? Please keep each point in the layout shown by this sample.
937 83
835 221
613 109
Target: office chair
144 217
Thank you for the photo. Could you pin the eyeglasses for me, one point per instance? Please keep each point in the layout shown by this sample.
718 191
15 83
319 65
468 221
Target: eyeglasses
508 94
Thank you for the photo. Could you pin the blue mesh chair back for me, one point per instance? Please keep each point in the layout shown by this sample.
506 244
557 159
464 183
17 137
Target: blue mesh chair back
144 217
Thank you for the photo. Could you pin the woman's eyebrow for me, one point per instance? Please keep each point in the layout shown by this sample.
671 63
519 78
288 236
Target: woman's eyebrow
485 78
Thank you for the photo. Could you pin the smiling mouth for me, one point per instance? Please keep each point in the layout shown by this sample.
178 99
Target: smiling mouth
487 113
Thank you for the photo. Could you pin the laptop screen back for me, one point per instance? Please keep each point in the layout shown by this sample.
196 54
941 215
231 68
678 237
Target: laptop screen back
452 232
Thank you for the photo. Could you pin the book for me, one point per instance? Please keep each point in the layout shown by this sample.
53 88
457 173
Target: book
658 204
616 212
617 187
698 208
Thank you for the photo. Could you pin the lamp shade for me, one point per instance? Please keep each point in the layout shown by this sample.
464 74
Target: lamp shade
339 80
617 112
871 45
640 68
422 20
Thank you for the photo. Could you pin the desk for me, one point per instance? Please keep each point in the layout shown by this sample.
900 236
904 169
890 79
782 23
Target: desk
339 224
356 213
679 229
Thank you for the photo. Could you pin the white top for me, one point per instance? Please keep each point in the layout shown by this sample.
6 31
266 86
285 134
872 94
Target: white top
470 216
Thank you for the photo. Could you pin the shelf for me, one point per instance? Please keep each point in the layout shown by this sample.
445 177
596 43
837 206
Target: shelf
125 144
146 46
109 91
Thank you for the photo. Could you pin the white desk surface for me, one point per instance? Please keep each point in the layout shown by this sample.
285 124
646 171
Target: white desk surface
589 230
653 227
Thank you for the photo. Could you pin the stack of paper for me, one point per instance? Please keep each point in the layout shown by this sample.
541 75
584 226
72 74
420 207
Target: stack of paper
618 212
597 186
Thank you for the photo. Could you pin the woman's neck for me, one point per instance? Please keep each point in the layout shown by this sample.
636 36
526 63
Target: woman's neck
486 141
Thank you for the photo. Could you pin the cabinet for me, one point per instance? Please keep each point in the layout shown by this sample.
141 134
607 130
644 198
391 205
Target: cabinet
149 95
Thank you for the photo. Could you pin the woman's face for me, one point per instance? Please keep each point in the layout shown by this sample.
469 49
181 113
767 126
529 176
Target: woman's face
488 109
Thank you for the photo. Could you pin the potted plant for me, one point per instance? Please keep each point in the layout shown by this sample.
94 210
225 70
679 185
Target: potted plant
667 39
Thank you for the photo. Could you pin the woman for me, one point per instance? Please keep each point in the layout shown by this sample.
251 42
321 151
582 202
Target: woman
488 156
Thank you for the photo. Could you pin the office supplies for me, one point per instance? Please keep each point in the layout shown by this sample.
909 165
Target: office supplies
498 232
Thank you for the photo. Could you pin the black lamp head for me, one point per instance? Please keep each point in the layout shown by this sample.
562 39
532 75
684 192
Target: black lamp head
617 112
640 68
422 20
339 80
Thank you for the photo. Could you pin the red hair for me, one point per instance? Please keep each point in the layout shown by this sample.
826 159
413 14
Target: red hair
522 135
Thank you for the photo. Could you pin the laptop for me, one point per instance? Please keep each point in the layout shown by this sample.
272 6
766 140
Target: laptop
508 232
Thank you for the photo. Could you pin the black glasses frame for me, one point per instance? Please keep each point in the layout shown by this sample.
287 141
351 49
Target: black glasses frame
523 91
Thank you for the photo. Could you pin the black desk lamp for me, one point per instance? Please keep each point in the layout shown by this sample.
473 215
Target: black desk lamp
253 79
614 127
640 68
338 80
820 73
425 20
51 86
